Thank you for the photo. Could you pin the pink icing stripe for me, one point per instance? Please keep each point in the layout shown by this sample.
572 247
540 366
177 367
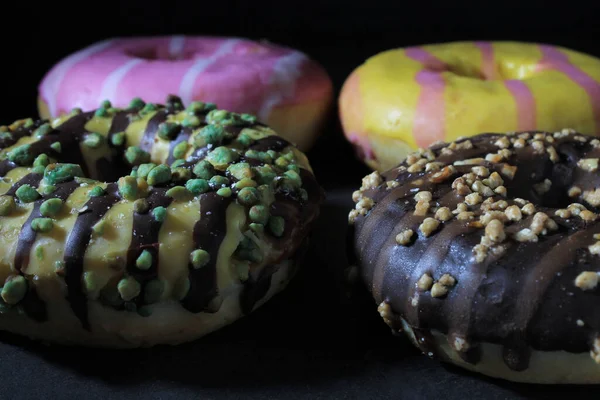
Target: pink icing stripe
111 83
52 82
488 67
525 102
430 114
555 59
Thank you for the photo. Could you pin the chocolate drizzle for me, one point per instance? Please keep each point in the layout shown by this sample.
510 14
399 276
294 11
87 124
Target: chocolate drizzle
151 130
144 236
522 298
75 247
209 233
183 136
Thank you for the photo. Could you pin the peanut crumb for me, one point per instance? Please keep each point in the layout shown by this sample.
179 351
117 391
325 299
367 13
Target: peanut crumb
574 191
371 181
429 226
438 290
594 248
423 196
580 323
503 143
473 199
588 164
525 235
563 213
543 187
592 197
528 209
481 172
494 230
425 282
443 214
587 280
385 311
392 184
513 213
447 280
421 208
404 237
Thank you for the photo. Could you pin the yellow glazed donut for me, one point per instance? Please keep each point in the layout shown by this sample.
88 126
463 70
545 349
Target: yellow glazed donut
407 98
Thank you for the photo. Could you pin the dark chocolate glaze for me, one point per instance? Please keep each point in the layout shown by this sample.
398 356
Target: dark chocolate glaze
151 130
524 298
209 233
32 179
76 245
275 143
18 133
144 236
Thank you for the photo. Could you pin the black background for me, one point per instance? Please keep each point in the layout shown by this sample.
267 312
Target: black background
312 341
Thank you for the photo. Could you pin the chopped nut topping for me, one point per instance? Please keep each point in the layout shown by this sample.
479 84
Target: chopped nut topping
443 214
481 172
478 186
563 213
473 199
425 282
447 280
470 161
538 223
587 280
513 213
528 209
587 215
519 143
595 351
592 197
421 208
433 166
465 215
588 164
580 322
438 290
404 237
356 196
494 180
525 235
503 143
493 158
392 184
371 181
574 191
543 187
460 207
480 252
494 230
538 146
385 311
488 216
508 170
594 248
552 153
423 196
429 226
444 174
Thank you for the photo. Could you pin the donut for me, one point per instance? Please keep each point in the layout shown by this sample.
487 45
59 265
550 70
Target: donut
283 87
485 253
145 225
408 98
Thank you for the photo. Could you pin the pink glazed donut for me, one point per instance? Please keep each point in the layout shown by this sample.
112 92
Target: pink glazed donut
283 87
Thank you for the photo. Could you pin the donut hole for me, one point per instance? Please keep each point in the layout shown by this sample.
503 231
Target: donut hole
157 54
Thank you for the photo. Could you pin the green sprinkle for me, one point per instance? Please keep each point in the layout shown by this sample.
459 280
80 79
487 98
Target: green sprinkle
281 162
84 181
128 288
153 291
240 171
137 102
75 111
38 170
118 139
42 131
27 194
177 164
97 191
195 106
51 207
144 260
39 252
273 154
168 130
293 177
252 154
143 170
225 192
105 104
264 174
218 181
294 167
14 290
221 157
98 227
141 206
191 121
47 189
248 196
58 173
41 161
128 187
136 156
101 112
42 224
199 258
159 175
210 134
148 108
290 156
197 186
179 193
216 116
56 146
245 182
93 140
5 135
159 214
251 119
180 149
277 226
21 155
259 214
28 123
180 174
90 281
244 139
203 169
257 228
7 205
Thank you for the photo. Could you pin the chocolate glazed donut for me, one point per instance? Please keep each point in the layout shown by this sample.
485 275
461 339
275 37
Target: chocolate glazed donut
485 252
146 225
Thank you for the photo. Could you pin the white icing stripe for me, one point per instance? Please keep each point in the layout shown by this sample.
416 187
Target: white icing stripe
282 83
51 86
176 46
111 83
187 83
